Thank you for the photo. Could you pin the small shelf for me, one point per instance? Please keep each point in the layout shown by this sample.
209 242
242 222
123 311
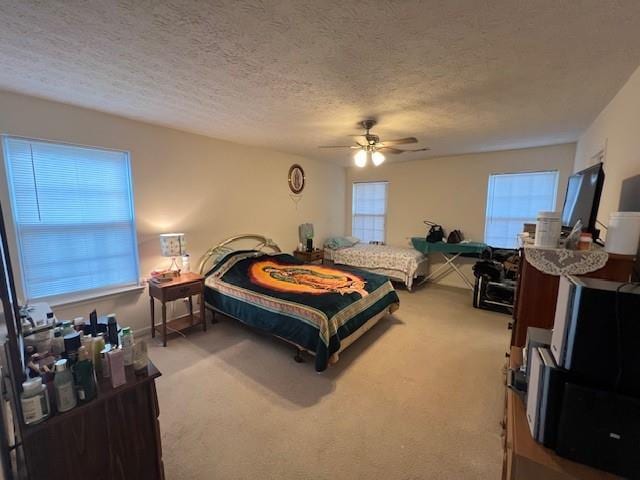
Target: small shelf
179 324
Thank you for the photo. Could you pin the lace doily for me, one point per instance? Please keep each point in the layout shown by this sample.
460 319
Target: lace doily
560 261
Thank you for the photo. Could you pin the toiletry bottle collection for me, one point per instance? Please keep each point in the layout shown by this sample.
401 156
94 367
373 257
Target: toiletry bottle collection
68 361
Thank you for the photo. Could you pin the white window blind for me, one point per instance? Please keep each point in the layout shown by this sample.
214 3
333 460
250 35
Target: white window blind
73 213
369 211
514 199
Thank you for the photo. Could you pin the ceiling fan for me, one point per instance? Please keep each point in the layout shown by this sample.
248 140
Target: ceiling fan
369 146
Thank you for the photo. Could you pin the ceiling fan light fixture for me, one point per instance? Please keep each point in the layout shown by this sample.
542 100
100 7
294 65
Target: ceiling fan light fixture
377 158
360 158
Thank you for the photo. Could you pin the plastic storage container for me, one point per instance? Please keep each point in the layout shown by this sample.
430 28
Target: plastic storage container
548 229
623 233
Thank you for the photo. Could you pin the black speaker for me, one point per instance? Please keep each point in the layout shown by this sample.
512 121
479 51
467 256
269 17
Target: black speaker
601 429
596 333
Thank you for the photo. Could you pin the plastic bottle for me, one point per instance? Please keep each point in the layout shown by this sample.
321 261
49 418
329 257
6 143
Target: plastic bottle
67 328
104 361
78 324
87 342
35 401
116 367
57 343
72 344
98 346
83 375
140 357
63 384
112 330
548 227
126 340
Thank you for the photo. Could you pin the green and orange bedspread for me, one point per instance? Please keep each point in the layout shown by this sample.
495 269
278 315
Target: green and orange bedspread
313 306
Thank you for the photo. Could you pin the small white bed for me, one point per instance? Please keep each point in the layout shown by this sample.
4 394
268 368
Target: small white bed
403 264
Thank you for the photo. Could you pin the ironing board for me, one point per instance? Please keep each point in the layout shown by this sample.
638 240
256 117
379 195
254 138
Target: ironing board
450 252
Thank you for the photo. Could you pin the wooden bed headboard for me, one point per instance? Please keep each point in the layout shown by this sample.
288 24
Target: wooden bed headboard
214 253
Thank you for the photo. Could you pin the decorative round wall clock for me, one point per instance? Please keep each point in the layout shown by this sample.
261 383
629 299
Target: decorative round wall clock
296 178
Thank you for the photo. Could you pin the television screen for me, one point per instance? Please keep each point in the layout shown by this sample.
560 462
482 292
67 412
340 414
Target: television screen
583 198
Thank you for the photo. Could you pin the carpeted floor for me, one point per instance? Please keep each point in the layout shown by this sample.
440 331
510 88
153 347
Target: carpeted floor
420 396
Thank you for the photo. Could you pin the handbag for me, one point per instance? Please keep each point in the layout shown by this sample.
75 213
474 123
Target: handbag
435 233
455 236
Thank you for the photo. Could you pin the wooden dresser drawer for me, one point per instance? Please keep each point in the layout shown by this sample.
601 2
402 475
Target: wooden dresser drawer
181 291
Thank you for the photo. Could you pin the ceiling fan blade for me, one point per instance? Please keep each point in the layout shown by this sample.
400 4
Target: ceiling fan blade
338 146
418 150
393 151
399 141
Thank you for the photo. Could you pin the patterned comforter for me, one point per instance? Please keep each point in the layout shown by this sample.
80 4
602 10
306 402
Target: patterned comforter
398 262
313 306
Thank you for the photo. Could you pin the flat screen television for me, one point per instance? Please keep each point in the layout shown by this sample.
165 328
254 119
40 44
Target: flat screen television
582 200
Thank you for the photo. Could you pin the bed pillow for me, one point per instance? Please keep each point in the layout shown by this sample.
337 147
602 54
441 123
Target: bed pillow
336 243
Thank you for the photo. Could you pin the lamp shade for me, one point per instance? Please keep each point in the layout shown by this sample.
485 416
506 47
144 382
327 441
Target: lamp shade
172 244
377 158
360 158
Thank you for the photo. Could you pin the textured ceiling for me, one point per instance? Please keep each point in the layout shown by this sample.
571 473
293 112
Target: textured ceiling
462 76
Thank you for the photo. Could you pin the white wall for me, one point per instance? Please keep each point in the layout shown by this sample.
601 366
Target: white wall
452 191
617 131
209 189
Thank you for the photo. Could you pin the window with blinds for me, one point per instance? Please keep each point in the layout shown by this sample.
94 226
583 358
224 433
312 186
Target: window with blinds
74 217
514 199
369 211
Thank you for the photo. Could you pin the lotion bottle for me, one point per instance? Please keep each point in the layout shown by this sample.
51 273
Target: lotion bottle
116 367
64 389
104 361
126 340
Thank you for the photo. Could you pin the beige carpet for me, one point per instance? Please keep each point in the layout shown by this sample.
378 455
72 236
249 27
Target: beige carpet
420 396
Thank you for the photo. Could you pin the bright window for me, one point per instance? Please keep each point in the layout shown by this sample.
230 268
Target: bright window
514 199
74 218
369 211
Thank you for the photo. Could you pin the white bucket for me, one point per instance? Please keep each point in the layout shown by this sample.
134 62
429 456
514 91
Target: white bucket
623 233
548 229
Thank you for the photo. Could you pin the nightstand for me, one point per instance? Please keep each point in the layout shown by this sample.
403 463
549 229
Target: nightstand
316 255
183 286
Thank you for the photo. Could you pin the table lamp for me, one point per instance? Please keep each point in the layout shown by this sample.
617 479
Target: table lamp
173 245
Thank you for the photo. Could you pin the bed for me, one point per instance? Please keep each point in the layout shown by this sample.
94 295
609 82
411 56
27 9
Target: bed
320 309
403 264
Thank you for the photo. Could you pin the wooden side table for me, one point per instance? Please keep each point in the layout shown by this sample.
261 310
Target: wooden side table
183 286
316 255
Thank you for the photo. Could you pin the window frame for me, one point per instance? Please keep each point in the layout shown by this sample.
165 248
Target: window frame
526 172
77 295
386 207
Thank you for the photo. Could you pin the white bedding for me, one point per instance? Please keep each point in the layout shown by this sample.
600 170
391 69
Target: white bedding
400 263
